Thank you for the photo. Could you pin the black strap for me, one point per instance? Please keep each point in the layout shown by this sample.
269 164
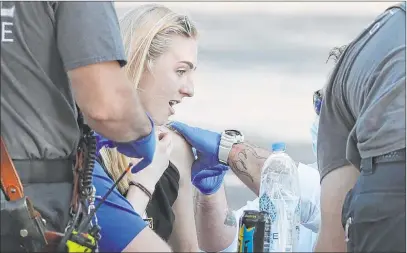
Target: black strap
45 171
142 188
394 156
102 163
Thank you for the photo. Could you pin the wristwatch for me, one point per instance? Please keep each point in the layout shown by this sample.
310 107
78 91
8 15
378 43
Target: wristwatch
227 139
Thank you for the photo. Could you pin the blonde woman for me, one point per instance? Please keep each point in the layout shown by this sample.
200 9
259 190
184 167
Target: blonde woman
161 47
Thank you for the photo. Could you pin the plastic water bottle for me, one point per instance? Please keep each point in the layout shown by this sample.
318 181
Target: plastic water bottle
280 198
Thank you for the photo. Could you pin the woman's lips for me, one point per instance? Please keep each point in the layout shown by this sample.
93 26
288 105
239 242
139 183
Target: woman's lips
171 104
172 111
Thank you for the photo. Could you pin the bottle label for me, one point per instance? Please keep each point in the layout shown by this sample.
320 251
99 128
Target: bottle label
267 205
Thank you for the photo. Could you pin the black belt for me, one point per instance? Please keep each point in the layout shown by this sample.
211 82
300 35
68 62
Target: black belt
394 156
44 171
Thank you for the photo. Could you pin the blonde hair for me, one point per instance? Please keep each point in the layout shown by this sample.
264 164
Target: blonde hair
147 32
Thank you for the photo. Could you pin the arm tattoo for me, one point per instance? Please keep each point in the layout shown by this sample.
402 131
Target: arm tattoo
239 165
230 219
240 161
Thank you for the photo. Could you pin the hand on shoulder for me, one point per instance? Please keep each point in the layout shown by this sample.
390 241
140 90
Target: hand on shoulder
179 142
181 155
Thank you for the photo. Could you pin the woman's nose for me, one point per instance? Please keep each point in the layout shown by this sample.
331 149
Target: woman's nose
188 90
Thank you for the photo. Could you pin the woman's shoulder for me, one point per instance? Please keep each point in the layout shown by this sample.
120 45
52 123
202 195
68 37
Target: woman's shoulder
100 172
178 140
182 152
103 183
101 179
115 214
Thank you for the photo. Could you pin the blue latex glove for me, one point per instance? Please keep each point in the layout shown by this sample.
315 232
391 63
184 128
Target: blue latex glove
207 179
204 141
141 148
102 142
207 173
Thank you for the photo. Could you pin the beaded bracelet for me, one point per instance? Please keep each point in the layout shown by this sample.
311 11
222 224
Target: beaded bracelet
141 187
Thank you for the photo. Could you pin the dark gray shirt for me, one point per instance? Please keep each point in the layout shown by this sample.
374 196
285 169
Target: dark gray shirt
363 112
40 42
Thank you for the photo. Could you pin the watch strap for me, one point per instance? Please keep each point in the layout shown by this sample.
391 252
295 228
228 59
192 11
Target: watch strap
225 146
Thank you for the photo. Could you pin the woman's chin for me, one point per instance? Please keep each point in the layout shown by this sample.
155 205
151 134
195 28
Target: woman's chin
159 121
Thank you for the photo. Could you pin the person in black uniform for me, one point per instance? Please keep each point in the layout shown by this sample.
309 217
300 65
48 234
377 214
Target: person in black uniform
361 142
54 54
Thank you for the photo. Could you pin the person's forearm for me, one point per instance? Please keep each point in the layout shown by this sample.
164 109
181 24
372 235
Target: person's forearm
246 161
184 235
138 199
125 121
132 126
215 222
109 102
331 236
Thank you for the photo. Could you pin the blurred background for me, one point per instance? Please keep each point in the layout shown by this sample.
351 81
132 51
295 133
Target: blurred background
259 64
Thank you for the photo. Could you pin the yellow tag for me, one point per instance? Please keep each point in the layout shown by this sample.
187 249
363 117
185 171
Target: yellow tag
76 247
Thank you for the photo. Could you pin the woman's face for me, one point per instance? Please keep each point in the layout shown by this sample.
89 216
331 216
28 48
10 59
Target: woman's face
170 79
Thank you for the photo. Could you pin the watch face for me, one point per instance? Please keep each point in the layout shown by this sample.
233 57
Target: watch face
233 133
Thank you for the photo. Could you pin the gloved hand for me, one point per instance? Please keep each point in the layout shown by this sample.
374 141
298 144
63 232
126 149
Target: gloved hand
141 148
204 141
207 178
207 173
102 142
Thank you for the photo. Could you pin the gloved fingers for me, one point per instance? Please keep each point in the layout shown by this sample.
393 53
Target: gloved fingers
201 157
203 163
202 140
141 148
209 185
193 135
222 167
182 128
140 165
201 170
102 142
212 189
205 174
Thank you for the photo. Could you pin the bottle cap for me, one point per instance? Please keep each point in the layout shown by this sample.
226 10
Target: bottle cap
278 146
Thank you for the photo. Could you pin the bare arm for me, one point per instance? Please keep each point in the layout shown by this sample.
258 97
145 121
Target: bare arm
138 199
152 174
184 235
147 178
333 191
246 161
147 241
95 86
215 222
